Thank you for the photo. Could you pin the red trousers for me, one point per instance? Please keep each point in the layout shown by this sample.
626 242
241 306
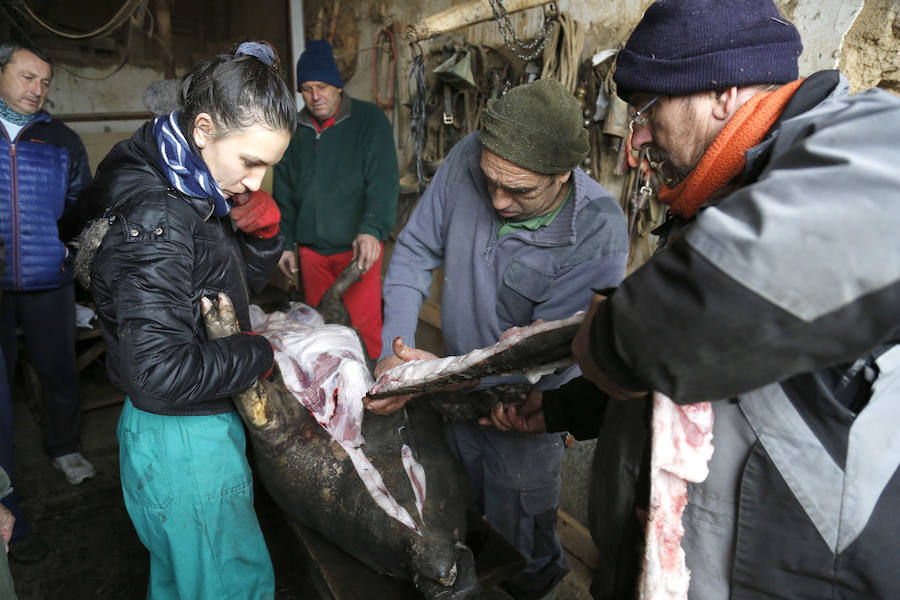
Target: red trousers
363 298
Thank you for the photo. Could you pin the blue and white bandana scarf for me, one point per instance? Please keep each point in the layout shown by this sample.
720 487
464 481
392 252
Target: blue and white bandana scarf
185 170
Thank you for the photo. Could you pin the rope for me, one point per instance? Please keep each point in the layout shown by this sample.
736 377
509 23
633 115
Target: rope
111 73
562 54
388 102
141 5
129 7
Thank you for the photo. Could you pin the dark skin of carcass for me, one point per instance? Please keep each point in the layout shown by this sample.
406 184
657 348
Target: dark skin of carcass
313 479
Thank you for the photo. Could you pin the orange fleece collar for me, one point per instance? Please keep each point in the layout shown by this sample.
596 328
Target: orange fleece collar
726 157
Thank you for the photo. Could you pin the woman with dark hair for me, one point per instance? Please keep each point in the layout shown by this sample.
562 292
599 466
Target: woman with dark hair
182 219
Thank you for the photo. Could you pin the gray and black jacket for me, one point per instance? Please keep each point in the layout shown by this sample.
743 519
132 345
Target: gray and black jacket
162 253
792 278
798 268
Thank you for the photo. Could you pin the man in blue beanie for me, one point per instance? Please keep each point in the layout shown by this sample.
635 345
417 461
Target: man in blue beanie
337 188
776 299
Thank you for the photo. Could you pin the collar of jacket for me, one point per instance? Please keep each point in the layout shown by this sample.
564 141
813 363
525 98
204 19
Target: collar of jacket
813 91
562 231
39 117
135 170
305 119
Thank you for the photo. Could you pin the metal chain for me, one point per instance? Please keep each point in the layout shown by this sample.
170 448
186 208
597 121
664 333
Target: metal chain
417 118
507 30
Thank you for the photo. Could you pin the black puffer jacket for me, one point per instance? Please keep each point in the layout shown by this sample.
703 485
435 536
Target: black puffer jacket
163 253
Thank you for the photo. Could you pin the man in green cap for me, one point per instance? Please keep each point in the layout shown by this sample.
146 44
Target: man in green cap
523 234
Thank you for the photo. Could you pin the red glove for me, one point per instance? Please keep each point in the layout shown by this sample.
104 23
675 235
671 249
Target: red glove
256 213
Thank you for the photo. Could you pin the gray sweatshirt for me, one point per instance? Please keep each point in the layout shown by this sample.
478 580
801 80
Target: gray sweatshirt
491 283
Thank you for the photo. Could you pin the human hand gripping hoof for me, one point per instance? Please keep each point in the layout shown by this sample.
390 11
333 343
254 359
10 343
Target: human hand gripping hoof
219 318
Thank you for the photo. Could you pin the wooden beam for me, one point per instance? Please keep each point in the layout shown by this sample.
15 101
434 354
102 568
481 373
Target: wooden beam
163 15
87 356
463 15
137 115
95 403
577 539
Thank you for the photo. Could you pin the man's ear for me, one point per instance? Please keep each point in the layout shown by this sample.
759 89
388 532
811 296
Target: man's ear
204 129
726 103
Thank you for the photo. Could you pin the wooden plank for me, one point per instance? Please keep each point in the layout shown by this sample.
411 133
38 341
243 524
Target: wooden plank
88 355
339 576
102 402
134 115
87 334
431 313
577 540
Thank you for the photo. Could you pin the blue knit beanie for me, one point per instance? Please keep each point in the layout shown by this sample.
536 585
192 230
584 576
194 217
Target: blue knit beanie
317 64
685 46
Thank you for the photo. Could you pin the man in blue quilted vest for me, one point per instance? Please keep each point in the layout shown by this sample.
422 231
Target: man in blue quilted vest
43 169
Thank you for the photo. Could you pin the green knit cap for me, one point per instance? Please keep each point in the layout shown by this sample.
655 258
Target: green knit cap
537 126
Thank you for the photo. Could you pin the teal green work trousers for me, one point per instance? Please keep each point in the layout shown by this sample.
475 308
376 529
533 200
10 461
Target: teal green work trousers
189 493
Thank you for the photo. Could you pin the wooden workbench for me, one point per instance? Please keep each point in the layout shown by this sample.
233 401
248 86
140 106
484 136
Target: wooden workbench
339 576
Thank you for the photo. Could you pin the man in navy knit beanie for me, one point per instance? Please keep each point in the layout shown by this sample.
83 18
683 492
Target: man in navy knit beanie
768 314
691 49
683 47
337 188
317 64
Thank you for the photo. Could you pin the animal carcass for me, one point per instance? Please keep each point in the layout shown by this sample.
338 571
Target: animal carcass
384 488
681 447
531 352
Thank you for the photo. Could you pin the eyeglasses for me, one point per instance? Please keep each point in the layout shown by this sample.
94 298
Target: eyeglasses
640 117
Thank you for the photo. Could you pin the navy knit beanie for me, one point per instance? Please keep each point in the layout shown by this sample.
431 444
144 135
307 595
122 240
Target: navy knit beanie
317 64
685 46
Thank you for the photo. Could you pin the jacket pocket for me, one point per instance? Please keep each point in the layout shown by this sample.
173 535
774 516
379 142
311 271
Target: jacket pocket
523 287
145 470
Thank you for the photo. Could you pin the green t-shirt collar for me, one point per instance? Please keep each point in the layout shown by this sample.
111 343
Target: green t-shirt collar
533 223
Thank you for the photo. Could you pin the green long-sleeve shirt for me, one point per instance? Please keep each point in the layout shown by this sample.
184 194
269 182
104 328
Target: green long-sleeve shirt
332 186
